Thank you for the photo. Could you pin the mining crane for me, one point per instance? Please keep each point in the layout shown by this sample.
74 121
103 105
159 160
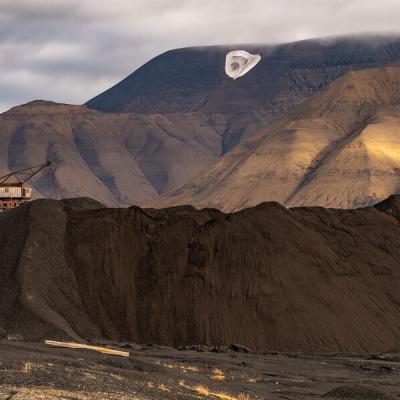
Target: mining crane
13 191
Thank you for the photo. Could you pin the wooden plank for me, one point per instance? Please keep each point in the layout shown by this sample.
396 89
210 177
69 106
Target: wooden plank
72 345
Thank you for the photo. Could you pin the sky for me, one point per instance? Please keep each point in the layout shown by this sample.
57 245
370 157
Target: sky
71 50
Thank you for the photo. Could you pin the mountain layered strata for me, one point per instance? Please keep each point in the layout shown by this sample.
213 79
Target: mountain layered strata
119 159
338 149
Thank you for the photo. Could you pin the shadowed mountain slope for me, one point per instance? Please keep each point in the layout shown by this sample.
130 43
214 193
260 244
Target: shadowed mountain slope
120 159
304 279
194 79
117 158
338 149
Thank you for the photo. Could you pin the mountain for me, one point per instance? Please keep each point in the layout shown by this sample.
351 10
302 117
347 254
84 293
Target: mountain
120 159
341 148
194 79
172 118
269 278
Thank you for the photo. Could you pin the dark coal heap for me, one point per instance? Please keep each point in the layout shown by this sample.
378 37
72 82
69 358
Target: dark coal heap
267 277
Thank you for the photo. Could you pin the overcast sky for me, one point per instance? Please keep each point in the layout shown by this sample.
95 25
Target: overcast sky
71 50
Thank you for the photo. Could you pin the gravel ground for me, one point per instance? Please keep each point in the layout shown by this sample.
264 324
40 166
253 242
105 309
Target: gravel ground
35 371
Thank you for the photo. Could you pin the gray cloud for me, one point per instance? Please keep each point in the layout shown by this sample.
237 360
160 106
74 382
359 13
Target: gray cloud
70 50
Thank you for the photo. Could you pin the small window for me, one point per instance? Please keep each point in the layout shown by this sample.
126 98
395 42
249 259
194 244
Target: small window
6 190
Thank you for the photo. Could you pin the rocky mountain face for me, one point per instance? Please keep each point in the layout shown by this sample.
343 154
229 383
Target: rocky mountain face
120 159
172 118
194 79
338 149
269 278
117 158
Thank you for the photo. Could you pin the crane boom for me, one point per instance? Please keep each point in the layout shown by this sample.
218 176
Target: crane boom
13 192
24 175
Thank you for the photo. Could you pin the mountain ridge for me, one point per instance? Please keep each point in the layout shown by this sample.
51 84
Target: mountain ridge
188 79
285 161
87 146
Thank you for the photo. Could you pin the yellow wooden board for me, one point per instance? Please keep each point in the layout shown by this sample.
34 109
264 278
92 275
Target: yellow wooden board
72 345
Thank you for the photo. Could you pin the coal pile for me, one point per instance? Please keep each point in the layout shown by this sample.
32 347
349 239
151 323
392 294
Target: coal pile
267 277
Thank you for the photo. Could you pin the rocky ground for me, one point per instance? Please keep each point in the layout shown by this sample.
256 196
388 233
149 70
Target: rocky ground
34 371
